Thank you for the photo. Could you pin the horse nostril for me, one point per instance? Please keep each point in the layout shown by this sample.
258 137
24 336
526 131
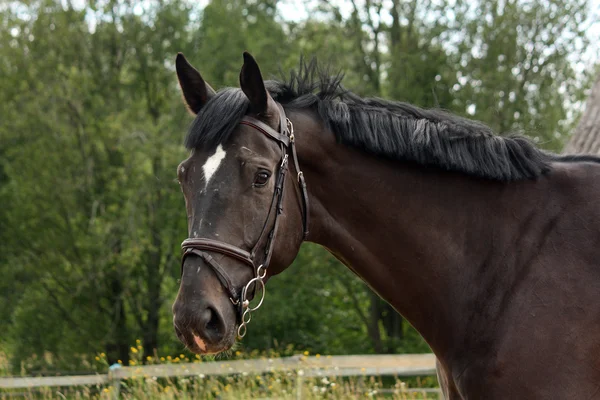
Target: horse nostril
201 327
212 323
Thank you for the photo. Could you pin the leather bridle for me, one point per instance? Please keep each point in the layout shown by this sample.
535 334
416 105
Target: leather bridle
199 246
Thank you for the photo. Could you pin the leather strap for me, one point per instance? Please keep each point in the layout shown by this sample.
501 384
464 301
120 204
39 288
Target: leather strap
279 209
303 190
266 130
220 247
221 274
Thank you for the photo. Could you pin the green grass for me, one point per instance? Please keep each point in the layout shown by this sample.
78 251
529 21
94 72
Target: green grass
272 386
278 385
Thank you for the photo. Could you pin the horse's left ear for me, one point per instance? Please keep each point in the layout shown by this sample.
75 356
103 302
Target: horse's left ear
253 86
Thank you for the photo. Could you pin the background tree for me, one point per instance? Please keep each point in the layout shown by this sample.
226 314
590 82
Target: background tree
516 73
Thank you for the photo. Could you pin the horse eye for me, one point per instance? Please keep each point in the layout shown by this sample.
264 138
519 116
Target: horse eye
261 179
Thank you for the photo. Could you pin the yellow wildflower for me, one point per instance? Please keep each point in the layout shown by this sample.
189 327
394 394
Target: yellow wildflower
306 353
317 355
134 350
97 358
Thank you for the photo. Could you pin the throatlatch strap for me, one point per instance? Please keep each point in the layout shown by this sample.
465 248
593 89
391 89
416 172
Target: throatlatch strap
302 183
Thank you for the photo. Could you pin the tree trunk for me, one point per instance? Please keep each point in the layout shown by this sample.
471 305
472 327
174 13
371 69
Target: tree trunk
117 347
392 323
382 312
373 326
154 301
153 264
586 138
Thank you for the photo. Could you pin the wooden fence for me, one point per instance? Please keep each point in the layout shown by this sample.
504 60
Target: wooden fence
305 367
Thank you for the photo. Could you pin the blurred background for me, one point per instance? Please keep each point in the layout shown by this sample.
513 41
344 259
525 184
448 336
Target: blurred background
91 130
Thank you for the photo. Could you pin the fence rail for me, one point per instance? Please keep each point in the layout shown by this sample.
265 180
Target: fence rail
356 365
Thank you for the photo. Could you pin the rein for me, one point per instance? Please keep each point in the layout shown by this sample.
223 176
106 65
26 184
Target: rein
199 246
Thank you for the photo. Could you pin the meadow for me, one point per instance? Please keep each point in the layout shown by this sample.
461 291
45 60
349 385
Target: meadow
277 385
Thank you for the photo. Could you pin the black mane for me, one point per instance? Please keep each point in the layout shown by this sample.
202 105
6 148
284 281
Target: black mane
385 128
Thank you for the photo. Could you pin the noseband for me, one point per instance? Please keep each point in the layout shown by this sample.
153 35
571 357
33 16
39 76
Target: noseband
199 246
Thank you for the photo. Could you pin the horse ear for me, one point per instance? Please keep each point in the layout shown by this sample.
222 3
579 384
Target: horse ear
196 92
253 86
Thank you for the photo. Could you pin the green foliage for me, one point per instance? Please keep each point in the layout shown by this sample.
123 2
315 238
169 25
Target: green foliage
100 216
229 28
91 215
517 73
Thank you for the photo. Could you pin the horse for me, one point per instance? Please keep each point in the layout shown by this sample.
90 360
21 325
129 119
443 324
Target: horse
486 244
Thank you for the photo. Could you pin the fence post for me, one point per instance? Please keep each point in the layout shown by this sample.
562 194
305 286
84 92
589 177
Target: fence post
299 384
114 380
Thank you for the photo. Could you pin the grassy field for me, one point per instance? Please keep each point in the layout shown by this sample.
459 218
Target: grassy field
259 387
280 385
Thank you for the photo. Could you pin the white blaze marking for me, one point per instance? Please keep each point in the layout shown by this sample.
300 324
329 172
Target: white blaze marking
212 164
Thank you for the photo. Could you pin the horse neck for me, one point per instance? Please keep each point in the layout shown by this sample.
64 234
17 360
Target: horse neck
418 236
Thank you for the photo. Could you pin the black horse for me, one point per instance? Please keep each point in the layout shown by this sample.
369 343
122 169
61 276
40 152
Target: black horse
489 246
